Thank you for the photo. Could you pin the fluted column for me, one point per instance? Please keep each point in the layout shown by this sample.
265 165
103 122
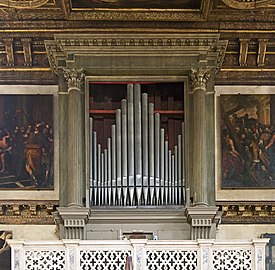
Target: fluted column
199 163
76 161
203 215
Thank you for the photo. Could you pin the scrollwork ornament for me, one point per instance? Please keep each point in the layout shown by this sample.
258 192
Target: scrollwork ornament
74 78
199 79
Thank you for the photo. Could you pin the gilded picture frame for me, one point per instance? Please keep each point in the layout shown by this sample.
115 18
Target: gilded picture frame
245 142
29 142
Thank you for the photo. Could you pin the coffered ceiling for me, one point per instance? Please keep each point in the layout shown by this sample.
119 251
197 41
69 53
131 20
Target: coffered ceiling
249 27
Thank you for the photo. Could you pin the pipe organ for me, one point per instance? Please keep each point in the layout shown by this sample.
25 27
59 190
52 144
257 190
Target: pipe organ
137 167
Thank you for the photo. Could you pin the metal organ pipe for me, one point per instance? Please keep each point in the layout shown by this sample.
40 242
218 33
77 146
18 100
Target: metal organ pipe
124 149
137 167
131 161
138 145
118 155
145 160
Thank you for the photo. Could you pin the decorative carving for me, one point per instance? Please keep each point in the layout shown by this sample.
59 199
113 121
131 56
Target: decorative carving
26 4
103 259
161 259
199 79
243 51
26 42
8 42
232 259
25 213
248 213
49 259
74 78
262 52
248 4
146 15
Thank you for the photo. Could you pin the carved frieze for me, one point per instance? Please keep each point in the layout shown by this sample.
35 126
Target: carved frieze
27 212
248 212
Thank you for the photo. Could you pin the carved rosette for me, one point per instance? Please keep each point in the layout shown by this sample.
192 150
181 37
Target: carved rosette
74 78
199 79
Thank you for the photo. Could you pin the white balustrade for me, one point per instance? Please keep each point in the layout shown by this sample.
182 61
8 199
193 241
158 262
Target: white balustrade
141 253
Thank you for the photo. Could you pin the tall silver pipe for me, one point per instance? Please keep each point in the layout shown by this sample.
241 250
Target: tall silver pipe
169 175
92 184
183 165
124 149
179 169
105 191
157 156
95 167
172 179
176 176
162 168
99 179
166 172
109 178
138 144
102 179
151 152
145 134
131 145
118 153
114 183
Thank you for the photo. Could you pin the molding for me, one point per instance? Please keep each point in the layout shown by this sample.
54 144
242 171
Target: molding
206 49
136 15
133 215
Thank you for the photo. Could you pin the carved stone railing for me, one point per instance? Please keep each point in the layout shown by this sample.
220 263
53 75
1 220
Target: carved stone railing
140 253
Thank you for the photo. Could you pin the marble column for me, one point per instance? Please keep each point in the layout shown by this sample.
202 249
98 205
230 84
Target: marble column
76 160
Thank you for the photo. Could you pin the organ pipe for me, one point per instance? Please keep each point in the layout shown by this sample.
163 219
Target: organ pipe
137 167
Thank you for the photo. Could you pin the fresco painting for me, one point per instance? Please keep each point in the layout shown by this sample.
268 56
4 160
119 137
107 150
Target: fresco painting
26 142
248 141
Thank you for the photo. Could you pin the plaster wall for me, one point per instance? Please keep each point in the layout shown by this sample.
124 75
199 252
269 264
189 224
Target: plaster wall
243 231
32 232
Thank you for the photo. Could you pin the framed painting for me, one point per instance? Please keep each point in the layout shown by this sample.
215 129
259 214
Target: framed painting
245 132
28 139
5 250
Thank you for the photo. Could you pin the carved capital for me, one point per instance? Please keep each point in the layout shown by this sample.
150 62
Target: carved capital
199 79
74 78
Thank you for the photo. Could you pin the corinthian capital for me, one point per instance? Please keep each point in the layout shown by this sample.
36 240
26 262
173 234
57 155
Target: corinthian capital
199 79
74 78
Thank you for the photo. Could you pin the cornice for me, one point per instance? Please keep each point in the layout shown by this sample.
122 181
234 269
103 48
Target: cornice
160 44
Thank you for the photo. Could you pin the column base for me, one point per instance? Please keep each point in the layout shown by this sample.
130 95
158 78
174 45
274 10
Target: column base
72 222
203 220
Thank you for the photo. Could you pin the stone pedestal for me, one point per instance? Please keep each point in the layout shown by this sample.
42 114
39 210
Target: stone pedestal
72 222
